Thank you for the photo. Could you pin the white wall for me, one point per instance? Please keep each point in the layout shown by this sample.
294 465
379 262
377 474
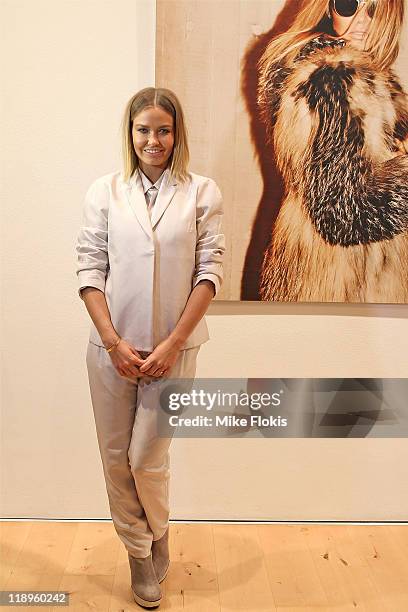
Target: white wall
71 66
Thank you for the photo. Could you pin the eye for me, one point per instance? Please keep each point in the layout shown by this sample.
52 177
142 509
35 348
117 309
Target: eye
165 130
142 129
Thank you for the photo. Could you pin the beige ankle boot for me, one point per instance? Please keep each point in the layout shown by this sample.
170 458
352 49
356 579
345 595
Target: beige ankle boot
160 556
145 586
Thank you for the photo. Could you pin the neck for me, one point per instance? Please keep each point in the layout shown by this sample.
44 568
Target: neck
152 172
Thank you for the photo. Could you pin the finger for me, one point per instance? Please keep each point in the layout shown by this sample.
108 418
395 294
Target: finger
136 354
126 368
151 371
136 359
147 365
133 371
158 371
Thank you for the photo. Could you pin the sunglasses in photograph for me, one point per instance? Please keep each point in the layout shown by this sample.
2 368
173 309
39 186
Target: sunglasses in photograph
348 8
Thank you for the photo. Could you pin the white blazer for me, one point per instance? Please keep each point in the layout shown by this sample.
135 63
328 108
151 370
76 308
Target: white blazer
147 268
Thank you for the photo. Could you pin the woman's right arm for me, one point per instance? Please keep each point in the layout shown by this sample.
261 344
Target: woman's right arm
97 308
124 356
92 267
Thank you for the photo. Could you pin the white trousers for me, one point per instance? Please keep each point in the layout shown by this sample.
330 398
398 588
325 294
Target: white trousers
135 460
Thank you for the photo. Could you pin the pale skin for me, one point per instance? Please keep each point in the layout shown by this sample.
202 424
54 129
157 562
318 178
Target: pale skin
153 141
354 29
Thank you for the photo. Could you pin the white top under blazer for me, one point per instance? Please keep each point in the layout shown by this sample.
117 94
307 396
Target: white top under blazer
150 190
146 266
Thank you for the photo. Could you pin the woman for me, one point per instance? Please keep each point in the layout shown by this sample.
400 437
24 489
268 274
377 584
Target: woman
338 120
149 263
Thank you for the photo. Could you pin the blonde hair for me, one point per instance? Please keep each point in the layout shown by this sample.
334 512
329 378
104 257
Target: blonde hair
168 101
313 19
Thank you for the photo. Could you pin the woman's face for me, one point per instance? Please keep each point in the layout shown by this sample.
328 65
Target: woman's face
355 28
153 137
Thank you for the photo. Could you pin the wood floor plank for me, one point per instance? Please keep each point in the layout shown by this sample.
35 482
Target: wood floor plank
172 600
94 550
399 535
386 564
201 601
293 576
12 538
300 609
355 572
322 547
242 575
40 564
91 566
88 592
192 555
121 596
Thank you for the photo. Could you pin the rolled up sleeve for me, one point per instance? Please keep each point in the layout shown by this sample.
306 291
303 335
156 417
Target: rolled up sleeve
210 245
92 240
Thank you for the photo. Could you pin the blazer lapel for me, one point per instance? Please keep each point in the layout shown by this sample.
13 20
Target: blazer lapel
137 201
166 192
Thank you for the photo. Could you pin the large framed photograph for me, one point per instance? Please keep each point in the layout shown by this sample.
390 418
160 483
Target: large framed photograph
304 129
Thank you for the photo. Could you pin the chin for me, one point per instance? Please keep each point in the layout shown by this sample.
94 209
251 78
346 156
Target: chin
154 162
358 43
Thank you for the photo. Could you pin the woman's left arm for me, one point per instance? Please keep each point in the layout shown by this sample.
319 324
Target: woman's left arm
206 282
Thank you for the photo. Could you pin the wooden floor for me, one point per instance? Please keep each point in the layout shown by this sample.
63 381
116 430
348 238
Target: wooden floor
216 567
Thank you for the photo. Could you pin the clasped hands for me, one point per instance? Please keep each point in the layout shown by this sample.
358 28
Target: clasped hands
129 363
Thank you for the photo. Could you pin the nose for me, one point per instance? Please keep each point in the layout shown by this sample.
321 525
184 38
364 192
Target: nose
362 17
153 139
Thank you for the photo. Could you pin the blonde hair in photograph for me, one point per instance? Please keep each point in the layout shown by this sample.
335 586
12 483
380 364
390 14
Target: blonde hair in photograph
313 19
168 101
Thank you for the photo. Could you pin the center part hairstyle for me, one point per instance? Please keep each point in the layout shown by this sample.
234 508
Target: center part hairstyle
314 19
168 101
